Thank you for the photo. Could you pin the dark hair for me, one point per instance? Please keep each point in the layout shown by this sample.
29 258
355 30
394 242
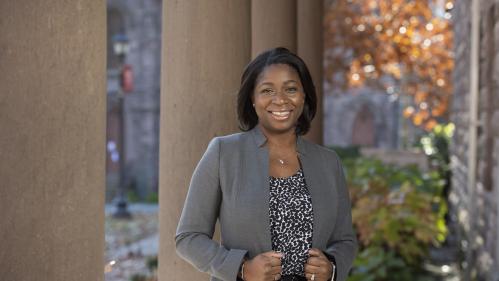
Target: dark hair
245 110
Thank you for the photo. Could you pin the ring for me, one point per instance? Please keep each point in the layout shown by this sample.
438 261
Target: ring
313 277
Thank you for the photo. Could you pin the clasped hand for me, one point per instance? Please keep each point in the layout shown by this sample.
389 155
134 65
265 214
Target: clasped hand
267 267
318 266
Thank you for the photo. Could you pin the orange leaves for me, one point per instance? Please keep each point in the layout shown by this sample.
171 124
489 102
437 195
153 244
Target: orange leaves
430 124
403 41
420 97
408 112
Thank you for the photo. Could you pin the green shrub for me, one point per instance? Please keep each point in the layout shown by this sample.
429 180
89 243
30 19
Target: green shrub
346 152
152 263
138 277
152 198
132 196
398 214
435 144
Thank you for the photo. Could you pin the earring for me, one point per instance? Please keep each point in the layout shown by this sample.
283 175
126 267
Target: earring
253 105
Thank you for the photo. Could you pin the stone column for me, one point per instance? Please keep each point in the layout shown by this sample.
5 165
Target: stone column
206 45
52 140
273 24
310 49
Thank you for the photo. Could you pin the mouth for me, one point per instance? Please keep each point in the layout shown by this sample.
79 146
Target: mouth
280 115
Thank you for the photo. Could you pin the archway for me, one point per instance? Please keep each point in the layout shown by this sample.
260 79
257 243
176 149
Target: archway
363 131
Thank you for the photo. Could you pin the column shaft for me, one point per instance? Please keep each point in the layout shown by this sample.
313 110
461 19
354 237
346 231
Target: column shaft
52 140
310 49
206 45
273 24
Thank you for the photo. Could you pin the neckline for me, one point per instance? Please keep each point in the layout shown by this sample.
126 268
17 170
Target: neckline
285 178
261 140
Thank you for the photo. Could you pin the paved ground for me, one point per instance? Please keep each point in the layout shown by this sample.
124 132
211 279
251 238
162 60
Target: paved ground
131 243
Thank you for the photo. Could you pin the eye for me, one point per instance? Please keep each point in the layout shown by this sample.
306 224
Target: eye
267 91
292 90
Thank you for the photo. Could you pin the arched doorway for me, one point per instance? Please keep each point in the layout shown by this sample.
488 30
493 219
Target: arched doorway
363 133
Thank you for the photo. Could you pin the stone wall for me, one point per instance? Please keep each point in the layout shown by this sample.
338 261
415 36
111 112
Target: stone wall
341 111
480 216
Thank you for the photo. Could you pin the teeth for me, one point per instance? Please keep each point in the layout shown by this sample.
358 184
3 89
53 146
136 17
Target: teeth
281 113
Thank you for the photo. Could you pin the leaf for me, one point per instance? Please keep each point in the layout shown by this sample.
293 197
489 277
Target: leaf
406 41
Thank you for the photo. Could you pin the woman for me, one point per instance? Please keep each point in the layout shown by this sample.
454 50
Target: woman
281 201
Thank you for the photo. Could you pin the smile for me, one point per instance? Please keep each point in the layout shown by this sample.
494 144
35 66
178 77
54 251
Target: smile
281 115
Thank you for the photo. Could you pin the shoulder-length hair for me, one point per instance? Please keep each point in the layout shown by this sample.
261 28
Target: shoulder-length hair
246 112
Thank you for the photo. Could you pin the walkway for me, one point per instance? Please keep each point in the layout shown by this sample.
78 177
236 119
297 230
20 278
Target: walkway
132 244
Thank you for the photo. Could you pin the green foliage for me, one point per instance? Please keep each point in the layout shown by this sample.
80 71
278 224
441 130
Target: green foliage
132 196
138 277
398 214
152 198
152 263
436 145
346 152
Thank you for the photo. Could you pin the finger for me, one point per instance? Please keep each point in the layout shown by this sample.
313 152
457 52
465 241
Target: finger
272 276
314 252
309 276
275 262
276 270
321 272
318 276
317 261
273 254
312 268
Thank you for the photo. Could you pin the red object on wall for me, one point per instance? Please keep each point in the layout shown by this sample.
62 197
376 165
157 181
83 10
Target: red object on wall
127 78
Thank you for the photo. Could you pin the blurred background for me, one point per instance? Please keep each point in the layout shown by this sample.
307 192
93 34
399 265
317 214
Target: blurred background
409 102
116 118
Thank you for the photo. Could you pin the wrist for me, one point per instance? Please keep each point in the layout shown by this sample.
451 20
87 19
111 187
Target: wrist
240 274
333 271
332 260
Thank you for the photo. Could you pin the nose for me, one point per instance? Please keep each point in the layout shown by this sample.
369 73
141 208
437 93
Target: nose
280 98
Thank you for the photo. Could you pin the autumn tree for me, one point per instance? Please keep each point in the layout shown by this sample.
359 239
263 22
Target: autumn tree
403 47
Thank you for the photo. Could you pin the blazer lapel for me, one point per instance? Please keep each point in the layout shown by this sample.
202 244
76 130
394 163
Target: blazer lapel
264 197
261 186
312 172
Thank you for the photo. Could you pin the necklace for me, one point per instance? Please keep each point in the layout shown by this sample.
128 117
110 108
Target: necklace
283 160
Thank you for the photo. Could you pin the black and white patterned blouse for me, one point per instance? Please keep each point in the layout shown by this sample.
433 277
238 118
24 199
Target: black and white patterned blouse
291 223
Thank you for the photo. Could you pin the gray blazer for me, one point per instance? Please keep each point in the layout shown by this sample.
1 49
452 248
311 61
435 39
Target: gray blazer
231 184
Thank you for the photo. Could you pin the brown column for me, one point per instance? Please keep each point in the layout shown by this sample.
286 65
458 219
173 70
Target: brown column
52 140
206 45
310 49
273 24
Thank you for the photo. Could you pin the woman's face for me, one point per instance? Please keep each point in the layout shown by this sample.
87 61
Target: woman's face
278 98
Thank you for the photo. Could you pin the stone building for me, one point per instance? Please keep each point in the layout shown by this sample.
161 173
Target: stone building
475 147
140 22
361 117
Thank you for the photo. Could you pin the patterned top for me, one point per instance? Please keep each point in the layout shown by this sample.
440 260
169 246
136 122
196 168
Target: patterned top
291 223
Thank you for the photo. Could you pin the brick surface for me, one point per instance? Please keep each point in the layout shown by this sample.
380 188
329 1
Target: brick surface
485 218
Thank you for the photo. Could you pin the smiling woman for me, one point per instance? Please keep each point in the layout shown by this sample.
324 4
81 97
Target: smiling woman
278 98
281 201
273 72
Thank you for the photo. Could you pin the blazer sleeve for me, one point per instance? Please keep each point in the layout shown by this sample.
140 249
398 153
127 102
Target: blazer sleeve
342 245
194 233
